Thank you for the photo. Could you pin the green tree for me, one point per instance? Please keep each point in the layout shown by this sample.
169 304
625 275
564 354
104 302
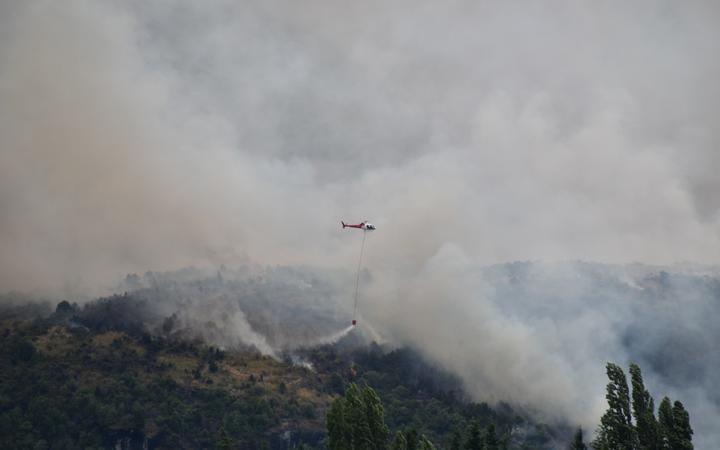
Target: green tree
339 434
616 429
357 422
643 410
666 425
456 441
223 441
356 419
399 442
491 439
683 431
600 442
375 415
412 439
22 351
474 439
425 444
577 442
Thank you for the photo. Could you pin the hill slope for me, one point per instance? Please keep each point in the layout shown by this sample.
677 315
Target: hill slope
66 383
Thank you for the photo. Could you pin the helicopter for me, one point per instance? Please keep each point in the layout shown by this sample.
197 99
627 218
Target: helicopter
365 226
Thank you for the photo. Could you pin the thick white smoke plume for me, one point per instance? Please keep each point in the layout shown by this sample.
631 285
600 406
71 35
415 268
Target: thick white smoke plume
150 136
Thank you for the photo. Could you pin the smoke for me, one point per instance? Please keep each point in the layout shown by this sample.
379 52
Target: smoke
538 335
332 338
138 136
157 136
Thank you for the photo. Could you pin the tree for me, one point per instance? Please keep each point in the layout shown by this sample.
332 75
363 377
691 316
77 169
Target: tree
643 410
577 442
412 439
683 432
491 439
425 444
22 351
670 431
64 308
223 441
375 418
399 442
616 429
339 434
666 425
357 422
674 428
456 442
474 439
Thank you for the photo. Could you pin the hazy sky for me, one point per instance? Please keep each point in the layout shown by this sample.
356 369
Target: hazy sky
140 136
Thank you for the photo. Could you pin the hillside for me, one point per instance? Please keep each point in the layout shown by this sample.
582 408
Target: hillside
66 382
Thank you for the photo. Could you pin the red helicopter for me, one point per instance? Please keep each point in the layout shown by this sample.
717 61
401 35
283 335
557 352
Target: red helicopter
366 226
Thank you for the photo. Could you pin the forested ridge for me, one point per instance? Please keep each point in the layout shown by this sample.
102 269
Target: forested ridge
89 377
93 377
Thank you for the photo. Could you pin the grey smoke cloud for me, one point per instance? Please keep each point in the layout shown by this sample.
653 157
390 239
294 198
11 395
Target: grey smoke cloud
138 136
536 335
158 135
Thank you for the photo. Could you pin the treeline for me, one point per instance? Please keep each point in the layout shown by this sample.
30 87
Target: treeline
74 381
357 422
420 399
87 377
630 422
87 396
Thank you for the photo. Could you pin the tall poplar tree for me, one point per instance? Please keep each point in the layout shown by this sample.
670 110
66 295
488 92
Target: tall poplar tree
357 422
375 416
643 410
683 431
666 425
